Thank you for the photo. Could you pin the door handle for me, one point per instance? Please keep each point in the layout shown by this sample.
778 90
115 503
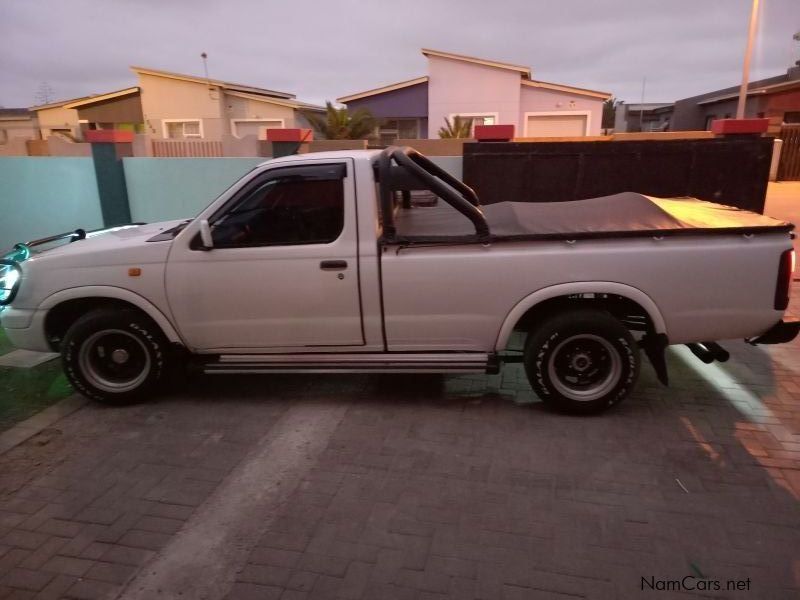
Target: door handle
333 265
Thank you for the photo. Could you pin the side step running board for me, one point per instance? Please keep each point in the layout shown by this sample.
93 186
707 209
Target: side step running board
351 363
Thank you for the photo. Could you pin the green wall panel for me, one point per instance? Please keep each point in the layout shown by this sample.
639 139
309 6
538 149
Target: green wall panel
41 196
160 189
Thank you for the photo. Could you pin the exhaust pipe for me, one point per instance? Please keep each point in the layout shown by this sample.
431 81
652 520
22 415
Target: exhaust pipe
720 354
708 352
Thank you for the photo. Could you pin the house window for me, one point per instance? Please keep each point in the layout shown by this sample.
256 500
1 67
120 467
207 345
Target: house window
709 119
3 136
390 130
178 129
476 119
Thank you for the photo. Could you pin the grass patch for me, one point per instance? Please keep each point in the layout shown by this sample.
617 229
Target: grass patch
5 345
24 392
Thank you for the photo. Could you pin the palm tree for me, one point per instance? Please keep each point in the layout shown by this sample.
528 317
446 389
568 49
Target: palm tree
341 124
459 128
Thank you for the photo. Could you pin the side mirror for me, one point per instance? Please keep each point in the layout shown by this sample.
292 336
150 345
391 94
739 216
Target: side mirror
205 235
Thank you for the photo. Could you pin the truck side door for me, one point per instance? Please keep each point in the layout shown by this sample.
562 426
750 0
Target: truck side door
283 272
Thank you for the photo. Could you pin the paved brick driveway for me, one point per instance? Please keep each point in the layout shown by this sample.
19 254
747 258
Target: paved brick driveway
414 487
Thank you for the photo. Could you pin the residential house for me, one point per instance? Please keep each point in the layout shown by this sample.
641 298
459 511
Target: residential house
776 98
650 116
121 109
166 105
178 106
17 123
483 92
55 118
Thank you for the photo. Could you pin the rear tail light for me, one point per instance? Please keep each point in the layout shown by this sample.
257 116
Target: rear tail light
784 284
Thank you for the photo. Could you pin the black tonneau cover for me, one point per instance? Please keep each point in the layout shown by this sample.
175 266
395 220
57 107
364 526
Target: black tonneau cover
620 215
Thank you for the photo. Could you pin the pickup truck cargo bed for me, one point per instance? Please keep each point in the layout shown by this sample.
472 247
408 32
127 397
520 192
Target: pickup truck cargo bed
620 215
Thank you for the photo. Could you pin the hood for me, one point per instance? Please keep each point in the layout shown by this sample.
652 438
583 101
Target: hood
112 245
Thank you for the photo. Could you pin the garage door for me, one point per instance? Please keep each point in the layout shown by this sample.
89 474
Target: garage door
256 128
556 126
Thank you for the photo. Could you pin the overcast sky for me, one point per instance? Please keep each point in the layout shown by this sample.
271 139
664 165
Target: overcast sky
322 49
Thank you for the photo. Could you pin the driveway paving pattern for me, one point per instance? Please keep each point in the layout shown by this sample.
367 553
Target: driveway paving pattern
428 487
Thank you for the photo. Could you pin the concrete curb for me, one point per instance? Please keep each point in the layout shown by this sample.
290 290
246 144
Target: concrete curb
30 427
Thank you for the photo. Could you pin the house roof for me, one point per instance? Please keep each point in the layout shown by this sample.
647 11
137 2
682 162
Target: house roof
754 91
57 104
102 97
222 84
296 104
382 90
560 87
8 114
729 92
648 106
526 71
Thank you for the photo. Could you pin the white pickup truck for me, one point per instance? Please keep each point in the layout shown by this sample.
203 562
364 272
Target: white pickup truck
330 262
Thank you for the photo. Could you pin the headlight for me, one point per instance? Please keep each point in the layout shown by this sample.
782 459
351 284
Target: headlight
9 281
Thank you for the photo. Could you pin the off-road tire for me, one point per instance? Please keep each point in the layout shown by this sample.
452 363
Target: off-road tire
134 329
550 366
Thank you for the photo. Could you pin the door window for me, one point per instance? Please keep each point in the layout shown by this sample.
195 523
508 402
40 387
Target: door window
296 205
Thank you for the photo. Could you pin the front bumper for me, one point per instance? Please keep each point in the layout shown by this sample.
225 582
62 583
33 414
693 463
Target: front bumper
24 328
782 332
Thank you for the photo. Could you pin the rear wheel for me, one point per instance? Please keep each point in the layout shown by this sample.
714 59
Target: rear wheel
114 356
582 361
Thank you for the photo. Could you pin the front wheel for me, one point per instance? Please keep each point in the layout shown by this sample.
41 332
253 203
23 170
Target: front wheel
582 361
114 356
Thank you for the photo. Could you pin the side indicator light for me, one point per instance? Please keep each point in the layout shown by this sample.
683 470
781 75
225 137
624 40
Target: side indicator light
134 272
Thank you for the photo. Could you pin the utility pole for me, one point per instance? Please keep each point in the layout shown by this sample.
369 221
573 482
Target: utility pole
44 94
204 56
641 106
210 87
746 67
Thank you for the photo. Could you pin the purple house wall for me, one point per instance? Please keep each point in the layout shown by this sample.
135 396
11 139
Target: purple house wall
409 102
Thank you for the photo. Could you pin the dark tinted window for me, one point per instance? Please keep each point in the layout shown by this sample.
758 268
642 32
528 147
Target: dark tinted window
289 206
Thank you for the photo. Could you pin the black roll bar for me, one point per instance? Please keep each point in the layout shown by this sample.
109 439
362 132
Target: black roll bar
384 178
458 195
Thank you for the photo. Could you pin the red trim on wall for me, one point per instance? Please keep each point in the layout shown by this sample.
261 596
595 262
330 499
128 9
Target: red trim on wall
108 136
494 133
290 135
739 126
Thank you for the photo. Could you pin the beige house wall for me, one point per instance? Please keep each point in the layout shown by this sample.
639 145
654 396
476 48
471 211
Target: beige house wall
22 129
14 147
59 147
165 98
237 107
58 118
